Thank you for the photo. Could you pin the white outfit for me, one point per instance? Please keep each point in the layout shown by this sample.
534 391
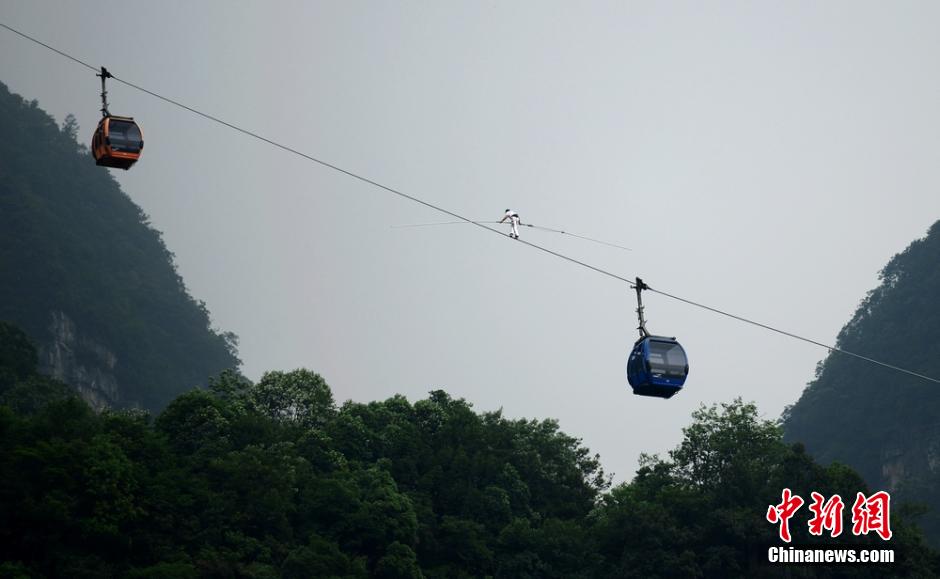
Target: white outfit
514 220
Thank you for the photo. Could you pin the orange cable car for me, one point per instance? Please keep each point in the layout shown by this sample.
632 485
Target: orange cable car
117 141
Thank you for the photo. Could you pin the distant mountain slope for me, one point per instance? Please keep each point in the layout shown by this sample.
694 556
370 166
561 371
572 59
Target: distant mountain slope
86 276
884 424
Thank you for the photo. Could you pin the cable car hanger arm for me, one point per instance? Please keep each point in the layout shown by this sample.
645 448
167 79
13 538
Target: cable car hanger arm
104 74
639 286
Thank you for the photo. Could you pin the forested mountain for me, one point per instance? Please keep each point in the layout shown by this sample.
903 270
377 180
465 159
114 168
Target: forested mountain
272 479
883 423
85 275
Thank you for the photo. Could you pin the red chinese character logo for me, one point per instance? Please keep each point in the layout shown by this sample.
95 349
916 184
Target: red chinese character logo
872 514
827 515
781 513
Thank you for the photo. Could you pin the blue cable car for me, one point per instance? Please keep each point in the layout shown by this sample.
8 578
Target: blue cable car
657 365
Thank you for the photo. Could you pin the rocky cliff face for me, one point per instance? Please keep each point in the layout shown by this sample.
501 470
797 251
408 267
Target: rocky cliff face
79 361
915 457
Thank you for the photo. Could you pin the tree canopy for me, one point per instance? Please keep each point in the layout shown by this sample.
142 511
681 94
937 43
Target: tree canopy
274 479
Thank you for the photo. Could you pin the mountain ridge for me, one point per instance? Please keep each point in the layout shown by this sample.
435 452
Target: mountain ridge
84 273
883 423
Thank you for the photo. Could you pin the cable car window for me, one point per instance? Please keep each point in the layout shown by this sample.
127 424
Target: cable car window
124 136
667 359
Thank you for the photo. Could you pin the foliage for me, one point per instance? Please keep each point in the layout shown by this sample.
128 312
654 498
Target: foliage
701 513
71 241
273 480
22 389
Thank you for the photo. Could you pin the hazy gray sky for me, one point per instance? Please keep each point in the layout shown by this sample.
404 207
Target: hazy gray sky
766 158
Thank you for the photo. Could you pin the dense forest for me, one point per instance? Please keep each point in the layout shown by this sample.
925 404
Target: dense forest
883 423
272 479
83 273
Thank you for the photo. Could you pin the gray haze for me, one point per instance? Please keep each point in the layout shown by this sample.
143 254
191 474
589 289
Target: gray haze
766 158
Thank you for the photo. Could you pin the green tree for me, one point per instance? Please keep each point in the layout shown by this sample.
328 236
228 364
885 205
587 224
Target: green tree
321 558
399 562
18 358
702 512
300 397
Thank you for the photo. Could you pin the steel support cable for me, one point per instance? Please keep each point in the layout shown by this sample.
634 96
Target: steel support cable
466 220
576 235
408 225
795 336
56 50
